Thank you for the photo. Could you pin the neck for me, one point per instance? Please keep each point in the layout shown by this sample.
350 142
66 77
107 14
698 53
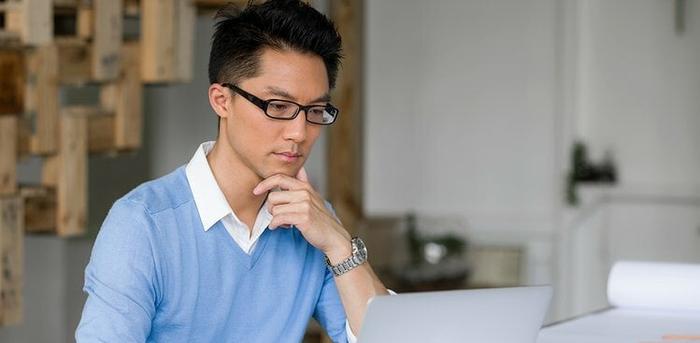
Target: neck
236 181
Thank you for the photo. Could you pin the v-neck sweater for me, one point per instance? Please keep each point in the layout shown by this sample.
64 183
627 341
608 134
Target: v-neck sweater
155 275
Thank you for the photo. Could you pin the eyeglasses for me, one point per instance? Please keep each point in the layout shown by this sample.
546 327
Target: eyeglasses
288 110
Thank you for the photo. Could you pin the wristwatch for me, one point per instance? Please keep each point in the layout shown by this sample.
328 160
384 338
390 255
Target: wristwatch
358 257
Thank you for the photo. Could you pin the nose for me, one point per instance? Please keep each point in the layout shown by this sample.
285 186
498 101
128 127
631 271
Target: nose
295 129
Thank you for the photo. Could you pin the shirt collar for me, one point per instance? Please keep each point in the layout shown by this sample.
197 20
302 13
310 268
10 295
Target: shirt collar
208 197
211 202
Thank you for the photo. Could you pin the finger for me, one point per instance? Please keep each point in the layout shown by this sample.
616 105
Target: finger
286 197
302 176
298 207
285 219
278 180
283 226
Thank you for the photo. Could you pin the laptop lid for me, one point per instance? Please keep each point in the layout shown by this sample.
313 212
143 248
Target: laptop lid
508 315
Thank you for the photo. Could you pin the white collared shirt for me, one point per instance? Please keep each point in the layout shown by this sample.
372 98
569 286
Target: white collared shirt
213 207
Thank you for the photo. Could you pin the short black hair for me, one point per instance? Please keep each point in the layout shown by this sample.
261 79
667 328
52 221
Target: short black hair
240 37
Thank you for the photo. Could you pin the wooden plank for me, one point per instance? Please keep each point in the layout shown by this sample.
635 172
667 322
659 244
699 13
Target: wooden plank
42 99
167 36
24 132
64 61
11 260
8 154
39 209
132 8
186 17
157 32
74 61
216 4
345 136
107 39
9 38
12 81
101 134
12 26
38 18
86 22
6 36
66 3
49 171
84 110
72 175
124 98
6 6
32 20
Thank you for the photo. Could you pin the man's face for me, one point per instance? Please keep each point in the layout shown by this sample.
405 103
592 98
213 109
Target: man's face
270 146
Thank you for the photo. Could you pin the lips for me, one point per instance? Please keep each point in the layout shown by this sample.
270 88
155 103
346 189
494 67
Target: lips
288 156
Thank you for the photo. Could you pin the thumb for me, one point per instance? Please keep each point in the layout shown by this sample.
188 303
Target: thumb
302 176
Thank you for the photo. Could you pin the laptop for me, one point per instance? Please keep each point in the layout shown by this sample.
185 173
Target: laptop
497 315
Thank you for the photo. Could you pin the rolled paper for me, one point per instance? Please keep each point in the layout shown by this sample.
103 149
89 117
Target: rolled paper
655 285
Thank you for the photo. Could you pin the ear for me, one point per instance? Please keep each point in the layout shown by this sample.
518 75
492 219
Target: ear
219 97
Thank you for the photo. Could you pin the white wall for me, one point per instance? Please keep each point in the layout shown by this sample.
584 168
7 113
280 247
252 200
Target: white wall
460 118
639 84
460 108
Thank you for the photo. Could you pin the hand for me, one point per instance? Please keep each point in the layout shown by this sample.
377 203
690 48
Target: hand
298 204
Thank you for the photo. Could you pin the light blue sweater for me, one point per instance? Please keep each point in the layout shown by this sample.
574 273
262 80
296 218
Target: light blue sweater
155 275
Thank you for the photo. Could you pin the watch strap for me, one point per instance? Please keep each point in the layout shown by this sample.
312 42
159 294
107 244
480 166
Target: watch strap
358 257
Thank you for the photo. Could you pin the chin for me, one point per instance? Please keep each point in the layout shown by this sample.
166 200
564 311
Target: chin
286 170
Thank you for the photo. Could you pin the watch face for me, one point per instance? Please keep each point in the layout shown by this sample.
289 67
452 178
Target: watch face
360 246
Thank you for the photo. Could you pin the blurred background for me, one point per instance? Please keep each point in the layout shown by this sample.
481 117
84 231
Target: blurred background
486 144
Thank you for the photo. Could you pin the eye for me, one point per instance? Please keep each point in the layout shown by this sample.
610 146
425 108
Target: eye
281 109
279 106
317 112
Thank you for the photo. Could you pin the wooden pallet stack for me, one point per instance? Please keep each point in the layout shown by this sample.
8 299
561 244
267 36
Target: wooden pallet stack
16 26
45 47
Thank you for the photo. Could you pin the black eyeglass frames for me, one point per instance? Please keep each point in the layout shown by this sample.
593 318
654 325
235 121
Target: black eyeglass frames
288 110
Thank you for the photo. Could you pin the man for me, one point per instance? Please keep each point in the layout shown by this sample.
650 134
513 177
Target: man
237 246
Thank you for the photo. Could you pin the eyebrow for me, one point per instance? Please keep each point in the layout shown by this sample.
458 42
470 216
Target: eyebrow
276 91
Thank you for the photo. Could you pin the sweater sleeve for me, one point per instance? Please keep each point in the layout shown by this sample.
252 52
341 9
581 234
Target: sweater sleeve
329 310
120 278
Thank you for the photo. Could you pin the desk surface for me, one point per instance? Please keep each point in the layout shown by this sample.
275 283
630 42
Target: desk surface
626 326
